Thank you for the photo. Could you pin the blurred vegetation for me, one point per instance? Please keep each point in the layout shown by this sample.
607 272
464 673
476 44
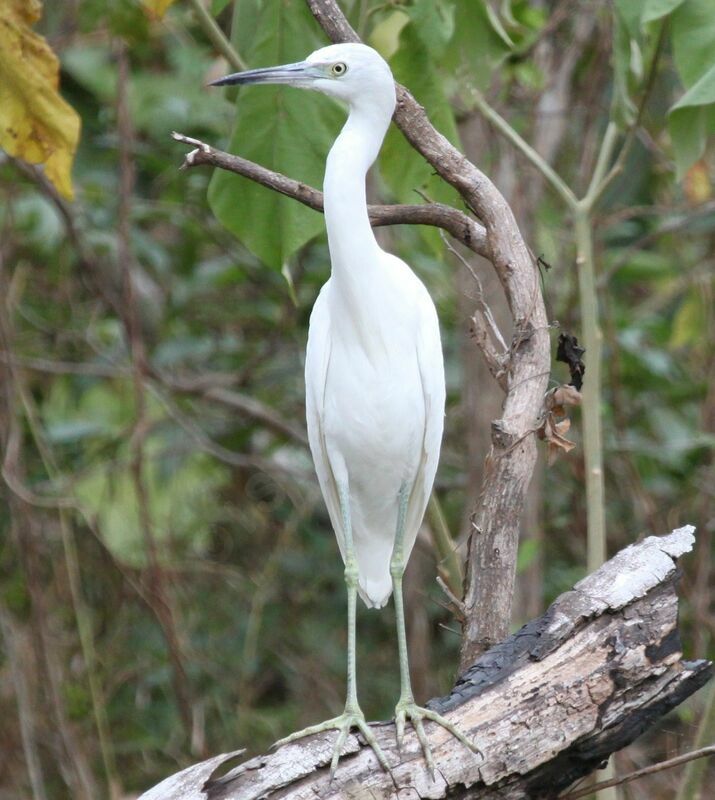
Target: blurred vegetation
169 584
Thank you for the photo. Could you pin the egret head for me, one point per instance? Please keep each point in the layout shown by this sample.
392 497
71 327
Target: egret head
352 72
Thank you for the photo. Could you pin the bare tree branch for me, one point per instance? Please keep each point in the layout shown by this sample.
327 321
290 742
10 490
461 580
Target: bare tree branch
703 752
455 222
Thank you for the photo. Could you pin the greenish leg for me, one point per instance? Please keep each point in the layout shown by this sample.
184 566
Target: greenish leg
352 716
406 707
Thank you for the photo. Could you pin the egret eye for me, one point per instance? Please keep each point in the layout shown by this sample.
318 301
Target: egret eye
339 69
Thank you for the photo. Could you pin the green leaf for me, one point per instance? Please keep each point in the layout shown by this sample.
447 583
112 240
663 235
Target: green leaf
282 128
631 14
657 9
434 22
404 170
689 129
624 110
246 18
385 36
694 39
217 6
692 118
480 42
690 321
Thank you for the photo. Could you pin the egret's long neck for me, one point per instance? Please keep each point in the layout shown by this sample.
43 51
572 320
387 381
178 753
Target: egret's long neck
353 249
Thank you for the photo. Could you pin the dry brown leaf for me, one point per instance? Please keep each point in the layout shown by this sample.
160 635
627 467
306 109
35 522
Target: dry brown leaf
36 124
556 424
565 395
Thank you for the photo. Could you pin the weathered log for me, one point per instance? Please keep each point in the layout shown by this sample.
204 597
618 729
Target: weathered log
546 706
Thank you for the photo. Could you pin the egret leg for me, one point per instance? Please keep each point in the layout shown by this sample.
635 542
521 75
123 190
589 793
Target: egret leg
406 707
352 716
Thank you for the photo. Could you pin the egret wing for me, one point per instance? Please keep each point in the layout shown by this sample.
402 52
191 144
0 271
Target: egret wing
316 372
431 366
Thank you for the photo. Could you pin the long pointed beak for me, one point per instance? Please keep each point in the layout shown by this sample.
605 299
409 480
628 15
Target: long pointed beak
296 74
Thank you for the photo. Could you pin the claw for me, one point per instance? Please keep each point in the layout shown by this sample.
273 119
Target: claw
420 728
337 749
410 710
343 724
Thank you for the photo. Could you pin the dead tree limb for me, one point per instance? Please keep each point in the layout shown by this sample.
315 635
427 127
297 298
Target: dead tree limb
546 706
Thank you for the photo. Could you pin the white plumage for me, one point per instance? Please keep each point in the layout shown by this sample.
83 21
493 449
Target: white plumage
375 408
374 372
374 375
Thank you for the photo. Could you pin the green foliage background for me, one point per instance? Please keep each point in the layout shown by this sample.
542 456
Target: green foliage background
223 274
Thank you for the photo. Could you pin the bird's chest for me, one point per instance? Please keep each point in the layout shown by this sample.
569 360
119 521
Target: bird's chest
374 405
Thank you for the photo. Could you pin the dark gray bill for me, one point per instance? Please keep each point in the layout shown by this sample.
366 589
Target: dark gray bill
288 73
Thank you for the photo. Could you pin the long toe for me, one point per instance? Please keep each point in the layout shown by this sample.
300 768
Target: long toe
321 727
416 714
427 713
343 725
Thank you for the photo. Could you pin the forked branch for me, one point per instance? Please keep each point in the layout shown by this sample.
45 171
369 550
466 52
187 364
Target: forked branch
470 233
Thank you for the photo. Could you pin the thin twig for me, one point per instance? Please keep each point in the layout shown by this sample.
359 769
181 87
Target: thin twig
556 181
25 712
639 773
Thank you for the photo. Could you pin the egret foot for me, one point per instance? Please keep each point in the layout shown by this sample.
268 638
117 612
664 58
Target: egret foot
350 718
408 709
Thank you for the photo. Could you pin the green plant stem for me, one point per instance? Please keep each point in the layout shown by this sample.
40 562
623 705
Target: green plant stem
216 36
692 782
600 179
445 546
526 149
591 404
592 337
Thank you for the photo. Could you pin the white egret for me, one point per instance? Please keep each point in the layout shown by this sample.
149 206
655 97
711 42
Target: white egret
374 375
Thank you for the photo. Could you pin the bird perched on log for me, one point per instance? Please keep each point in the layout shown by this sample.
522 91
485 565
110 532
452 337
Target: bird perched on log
374 376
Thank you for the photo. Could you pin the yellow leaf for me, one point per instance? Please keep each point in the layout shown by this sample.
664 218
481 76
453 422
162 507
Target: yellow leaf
156 8
696 183
36 124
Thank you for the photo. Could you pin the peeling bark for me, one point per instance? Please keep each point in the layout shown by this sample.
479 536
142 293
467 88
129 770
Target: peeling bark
546 706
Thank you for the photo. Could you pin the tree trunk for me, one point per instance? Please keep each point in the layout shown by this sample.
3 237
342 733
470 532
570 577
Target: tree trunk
546 706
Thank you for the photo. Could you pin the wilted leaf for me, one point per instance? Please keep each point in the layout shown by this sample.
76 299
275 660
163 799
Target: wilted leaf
556 423
156 9
569 352
36 124
553 432
564 395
